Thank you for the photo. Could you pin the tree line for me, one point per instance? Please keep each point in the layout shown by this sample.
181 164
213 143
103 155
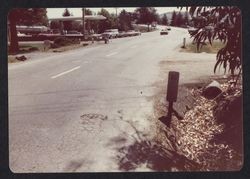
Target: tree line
212 23
124 20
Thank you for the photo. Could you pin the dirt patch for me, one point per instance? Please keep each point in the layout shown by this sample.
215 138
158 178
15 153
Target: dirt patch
154 156
12 59
170 62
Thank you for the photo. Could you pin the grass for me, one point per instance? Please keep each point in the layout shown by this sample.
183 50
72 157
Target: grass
29 46
68 47
214 48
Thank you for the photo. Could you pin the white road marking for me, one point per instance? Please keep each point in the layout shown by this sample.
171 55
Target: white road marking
76 61
63 73
111 54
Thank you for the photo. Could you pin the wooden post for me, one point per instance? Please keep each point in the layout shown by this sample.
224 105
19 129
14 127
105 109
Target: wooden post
83 22
172 92
184 42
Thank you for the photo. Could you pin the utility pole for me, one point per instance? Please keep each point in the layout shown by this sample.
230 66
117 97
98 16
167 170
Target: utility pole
116 17
83 22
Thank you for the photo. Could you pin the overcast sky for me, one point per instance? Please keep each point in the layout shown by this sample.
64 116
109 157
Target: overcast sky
57 12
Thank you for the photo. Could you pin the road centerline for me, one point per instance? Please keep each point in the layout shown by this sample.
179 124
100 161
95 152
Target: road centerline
111 54
65 72
134 46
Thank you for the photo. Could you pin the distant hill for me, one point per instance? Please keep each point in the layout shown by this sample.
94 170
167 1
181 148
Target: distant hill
169 14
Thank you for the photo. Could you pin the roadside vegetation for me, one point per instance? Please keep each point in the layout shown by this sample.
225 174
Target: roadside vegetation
210 133
208 48
204 136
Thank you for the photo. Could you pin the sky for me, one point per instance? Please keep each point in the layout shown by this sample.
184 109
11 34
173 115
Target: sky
57 12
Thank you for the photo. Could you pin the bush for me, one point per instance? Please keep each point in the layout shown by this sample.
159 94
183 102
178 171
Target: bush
33 48
63 41
54 45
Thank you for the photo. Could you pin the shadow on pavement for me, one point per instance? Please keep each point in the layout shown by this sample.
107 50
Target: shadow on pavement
154 156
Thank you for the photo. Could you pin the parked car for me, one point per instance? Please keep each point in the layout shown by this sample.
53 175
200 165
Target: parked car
168 28
96 37
47 34
73 33
164 32
19 34
133 33
110 33
122 34
137 32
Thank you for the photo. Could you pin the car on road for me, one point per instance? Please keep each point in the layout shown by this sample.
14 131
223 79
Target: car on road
164 32
168 28
192 30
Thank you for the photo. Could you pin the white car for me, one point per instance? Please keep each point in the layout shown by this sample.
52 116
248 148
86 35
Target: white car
164 32
111 33
191 30
73 33
133 33
19 34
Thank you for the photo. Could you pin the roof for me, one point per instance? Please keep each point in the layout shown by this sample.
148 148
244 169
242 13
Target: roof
87 17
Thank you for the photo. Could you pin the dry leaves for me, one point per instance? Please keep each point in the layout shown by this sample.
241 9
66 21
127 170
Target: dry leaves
195 134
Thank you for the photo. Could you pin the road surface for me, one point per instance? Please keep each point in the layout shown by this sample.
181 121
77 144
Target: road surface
72 111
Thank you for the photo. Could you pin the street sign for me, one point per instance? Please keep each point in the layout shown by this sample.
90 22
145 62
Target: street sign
172 89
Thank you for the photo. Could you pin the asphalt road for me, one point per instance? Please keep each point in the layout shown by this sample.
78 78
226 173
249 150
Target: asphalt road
72 111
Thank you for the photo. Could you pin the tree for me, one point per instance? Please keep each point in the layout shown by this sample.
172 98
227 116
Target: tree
179 20
88 12
164 20
67 24
55 24
24 16
125 20
76 25
109 22
224 24
146 15
186 18
173 19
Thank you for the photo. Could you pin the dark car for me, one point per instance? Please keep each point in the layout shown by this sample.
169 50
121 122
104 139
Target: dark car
164 32
192 30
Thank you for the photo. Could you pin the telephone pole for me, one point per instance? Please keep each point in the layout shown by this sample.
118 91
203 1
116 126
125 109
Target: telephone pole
83 22
116 17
